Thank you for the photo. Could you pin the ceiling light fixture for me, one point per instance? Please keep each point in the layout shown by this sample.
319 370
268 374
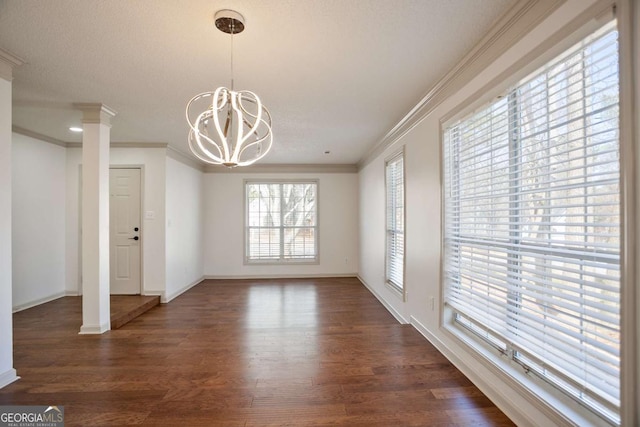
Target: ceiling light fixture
235 128
75 129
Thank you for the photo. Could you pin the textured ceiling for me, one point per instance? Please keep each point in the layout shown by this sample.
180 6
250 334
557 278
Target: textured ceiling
336 75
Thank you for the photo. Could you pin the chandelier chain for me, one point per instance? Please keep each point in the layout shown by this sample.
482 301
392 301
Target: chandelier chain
232 31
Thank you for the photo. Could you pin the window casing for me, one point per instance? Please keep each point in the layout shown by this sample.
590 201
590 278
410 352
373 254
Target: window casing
532 223
394 181
281 221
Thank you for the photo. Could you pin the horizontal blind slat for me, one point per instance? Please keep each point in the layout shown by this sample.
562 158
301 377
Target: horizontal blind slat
532 220
394 218
281 221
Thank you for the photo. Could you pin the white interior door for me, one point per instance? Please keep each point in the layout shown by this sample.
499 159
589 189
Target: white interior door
124 231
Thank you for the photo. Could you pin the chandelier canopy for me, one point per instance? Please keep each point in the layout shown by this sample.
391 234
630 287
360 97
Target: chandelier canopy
233 128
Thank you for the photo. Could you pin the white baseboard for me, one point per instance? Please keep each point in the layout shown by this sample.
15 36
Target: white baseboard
72 294
39 301
500 393
280 276
95 330
160 294
8 377
502 397
399 317
165 298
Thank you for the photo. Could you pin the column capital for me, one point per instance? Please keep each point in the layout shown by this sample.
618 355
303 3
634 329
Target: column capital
8 61
95 112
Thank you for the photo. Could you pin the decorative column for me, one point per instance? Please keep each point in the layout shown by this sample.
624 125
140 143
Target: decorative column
7 372
96 125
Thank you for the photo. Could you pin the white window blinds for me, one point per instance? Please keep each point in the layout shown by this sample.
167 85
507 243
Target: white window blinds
532 223
281 221
395 220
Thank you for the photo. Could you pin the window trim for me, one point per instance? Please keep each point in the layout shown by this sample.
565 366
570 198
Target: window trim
628 19
590 21
546 397
400 291
281 261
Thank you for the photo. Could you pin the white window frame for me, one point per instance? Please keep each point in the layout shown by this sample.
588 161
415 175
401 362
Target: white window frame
489 343
282 228
393 201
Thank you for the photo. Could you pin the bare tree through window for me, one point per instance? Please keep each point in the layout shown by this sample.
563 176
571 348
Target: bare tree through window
532 222
281 221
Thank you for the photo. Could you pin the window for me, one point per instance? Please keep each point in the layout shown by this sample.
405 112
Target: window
532 223
281 221
395 220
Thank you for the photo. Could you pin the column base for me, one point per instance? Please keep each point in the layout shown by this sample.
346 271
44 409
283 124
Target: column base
8 377
89 330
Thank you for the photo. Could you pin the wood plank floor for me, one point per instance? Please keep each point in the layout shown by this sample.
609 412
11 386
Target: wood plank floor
244 353
125 308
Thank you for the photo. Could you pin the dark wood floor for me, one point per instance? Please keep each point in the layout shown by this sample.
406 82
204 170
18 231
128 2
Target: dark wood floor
125 308
244 353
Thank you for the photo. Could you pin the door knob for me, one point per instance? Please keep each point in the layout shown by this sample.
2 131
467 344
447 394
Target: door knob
134 238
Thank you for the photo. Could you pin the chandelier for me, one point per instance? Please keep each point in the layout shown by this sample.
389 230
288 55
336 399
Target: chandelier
233 128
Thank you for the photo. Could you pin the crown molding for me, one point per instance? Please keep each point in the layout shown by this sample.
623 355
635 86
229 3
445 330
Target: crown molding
38 136
68 144
261 167
8 61
509 29
594 17
124 145
285 168
187 160
184 159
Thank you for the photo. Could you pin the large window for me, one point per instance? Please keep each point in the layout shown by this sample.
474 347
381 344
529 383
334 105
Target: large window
394 177
281 221
532 223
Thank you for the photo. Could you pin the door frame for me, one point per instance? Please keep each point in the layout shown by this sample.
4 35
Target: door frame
142 228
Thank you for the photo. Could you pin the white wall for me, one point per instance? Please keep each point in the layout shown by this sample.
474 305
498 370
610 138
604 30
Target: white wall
185 245
423 231
153 165
224 226
7 373
422 234
38 211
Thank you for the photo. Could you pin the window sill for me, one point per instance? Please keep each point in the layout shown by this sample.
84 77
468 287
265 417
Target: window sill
280 262
558 406
398 292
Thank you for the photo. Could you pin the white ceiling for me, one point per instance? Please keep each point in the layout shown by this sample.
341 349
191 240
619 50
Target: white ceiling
336 75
